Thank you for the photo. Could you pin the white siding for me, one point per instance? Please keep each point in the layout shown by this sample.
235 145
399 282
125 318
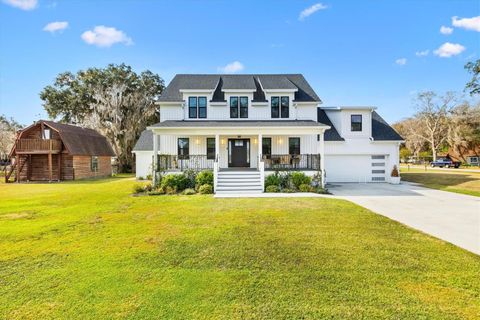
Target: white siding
143 163
306 112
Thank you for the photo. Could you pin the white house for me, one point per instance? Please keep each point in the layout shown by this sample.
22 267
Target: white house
246 126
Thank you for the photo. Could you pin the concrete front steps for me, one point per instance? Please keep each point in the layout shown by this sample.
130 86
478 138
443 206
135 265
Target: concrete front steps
236 182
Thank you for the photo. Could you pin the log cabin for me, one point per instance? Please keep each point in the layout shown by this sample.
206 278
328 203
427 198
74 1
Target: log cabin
50 151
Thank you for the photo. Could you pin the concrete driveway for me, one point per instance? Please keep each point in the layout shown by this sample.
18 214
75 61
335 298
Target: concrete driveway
446 215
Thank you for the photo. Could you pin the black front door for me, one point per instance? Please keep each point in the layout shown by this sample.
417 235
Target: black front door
239 153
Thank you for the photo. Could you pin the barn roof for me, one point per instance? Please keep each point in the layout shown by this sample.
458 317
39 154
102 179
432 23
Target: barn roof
78 140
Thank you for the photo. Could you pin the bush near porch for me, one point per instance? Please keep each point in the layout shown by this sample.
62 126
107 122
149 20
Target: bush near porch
188 183
284 181
89 250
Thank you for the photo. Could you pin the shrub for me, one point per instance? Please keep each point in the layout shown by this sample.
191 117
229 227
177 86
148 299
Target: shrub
321 190
272 180
395 172
138 188
149 177
286 180
299 178
288 190
205 189
156 192
204 177
141 178
191 176
179 182
272 188
306 188
170 190
188 191
317 179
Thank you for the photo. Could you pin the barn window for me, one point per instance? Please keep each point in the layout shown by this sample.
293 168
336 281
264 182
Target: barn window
46 133
94 164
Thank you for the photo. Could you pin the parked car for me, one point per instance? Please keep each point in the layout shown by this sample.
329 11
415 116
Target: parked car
445 162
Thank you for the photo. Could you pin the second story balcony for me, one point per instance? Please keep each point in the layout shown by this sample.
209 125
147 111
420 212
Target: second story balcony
31 146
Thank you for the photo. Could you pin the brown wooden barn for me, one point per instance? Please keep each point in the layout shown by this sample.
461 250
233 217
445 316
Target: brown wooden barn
48 151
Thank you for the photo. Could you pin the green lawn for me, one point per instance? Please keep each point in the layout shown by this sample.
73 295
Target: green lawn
454 181
91 250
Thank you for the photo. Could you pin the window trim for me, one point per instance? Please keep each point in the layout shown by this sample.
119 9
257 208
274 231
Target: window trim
94 163
190 107
289 146
183 156
352 129
211 156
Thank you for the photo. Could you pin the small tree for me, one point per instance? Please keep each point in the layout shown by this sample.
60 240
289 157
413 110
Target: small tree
474 84
8 131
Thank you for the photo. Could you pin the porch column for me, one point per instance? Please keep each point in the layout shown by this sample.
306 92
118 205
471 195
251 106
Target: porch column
217 147
322 156
260 146
155 158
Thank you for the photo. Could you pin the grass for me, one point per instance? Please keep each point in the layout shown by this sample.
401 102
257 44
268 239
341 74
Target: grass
91 250
454 181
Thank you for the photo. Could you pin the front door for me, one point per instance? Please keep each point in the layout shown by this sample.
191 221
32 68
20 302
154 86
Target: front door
239 153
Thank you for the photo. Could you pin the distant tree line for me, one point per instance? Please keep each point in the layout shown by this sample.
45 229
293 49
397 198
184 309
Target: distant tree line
8 130
443 122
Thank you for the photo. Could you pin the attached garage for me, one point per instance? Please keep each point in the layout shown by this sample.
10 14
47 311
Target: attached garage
355 168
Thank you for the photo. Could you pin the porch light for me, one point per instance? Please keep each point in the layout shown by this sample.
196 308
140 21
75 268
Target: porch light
280 141
223 141
255 141
197 141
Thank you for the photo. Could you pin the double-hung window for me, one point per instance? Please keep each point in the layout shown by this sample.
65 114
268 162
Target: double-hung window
211 148
266 148
356 120
294 146
275 103
197 107
94 164
238 107
285 110
280 107
183 148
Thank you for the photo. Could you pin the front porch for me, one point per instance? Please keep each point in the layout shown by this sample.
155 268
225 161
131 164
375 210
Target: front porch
231 148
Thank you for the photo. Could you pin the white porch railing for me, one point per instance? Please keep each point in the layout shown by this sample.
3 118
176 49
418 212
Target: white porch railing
261 168
215 173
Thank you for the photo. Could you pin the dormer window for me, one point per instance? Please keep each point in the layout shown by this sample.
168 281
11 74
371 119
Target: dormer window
280 107
356 122
197 107
238 107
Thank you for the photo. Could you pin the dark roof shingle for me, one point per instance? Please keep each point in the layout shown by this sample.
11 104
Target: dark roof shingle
145 142
382 131
332 133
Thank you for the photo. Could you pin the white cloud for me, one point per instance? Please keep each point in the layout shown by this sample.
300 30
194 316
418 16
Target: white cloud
102 36
467 23
446 30
448 49
401 61
422 53
22 4
311 10
233 67
56 26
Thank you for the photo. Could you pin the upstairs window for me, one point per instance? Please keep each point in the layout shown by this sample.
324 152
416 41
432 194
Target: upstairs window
294 146
94 164
243 107
238 107
46 134
183 148
356 122
285 112
211 148
275 107
266 147
197 107
233 107
280 107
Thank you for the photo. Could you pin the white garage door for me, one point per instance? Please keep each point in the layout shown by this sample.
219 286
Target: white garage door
355 168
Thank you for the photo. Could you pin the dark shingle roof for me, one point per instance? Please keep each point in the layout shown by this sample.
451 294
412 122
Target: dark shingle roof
332 133
145 142
382 131
216 82
81 141
236 123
